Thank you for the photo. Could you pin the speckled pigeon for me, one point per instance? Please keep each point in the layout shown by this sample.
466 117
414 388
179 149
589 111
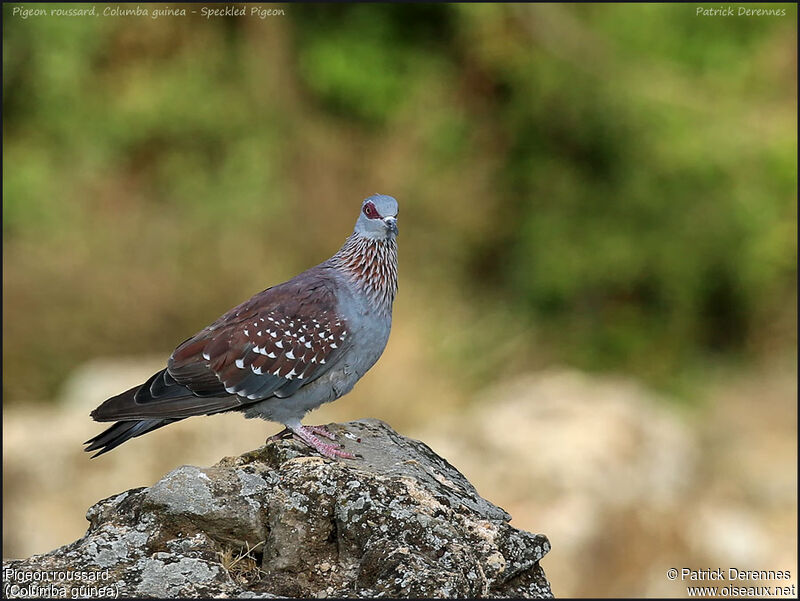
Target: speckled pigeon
284 352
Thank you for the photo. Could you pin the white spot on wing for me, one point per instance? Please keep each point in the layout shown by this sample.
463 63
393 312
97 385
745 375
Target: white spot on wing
271 355
206 356
279 344
240 363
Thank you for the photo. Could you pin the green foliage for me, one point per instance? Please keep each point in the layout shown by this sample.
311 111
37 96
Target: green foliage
608 185
362 62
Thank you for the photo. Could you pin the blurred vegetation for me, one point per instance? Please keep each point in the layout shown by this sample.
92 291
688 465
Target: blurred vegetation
612 186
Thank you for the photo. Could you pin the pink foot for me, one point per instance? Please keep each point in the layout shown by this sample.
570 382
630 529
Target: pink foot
321 431
306 434
318 430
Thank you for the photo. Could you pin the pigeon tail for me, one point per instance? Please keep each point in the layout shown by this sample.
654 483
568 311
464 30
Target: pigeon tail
120 432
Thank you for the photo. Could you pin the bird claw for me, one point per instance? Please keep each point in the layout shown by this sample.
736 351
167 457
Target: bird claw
282 435
332 451
306 434
318 430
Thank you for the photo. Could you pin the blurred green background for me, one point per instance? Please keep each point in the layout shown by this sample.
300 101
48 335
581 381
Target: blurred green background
610 188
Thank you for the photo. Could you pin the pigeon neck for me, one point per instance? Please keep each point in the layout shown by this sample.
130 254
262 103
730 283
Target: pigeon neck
371 265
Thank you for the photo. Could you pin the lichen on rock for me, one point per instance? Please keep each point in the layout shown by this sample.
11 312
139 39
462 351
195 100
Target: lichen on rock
280 521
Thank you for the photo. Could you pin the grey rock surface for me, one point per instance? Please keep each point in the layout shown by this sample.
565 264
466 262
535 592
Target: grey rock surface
283 522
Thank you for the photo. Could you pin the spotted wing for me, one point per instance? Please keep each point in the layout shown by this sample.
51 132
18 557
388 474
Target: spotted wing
271 345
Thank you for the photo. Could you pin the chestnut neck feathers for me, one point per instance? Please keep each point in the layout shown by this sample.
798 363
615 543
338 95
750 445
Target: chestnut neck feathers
370 264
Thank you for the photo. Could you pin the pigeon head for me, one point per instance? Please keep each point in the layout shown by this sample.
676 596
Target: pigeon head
378 218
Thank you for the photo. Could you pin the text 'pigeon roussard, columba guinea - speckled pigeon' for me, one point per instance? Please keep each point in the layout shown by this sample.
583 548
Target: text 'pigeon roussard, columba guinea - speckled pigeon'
284 352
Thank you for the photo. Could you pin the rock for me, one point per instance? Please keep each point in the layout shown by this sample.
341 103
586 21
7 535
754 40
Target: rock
282 521
599 454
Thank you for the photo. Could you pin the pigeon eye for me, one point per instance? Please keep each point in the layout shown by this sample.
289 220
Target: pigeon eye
370 211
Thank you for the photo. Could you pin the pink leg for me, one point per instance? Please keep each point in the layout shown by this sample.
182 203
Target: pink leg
321 431
306 434
318 430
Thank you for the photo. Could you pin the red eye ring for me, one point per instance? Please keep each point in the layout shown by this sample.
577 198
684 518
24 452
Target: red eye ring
370 211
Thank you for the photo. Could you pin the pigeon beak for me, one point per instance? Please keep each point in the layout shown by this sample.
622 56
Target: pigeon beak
391 223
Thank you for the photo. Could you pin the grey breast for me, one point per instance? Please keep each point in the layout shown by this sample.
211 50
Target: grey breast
368 327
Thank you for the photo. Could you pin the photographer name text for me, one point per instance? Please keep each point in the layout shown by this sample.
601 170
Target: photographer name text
739 11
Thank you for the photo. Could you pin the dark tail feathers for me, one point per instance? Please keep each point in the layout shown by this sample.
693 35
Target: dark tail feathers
121 432
158 402
162 398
